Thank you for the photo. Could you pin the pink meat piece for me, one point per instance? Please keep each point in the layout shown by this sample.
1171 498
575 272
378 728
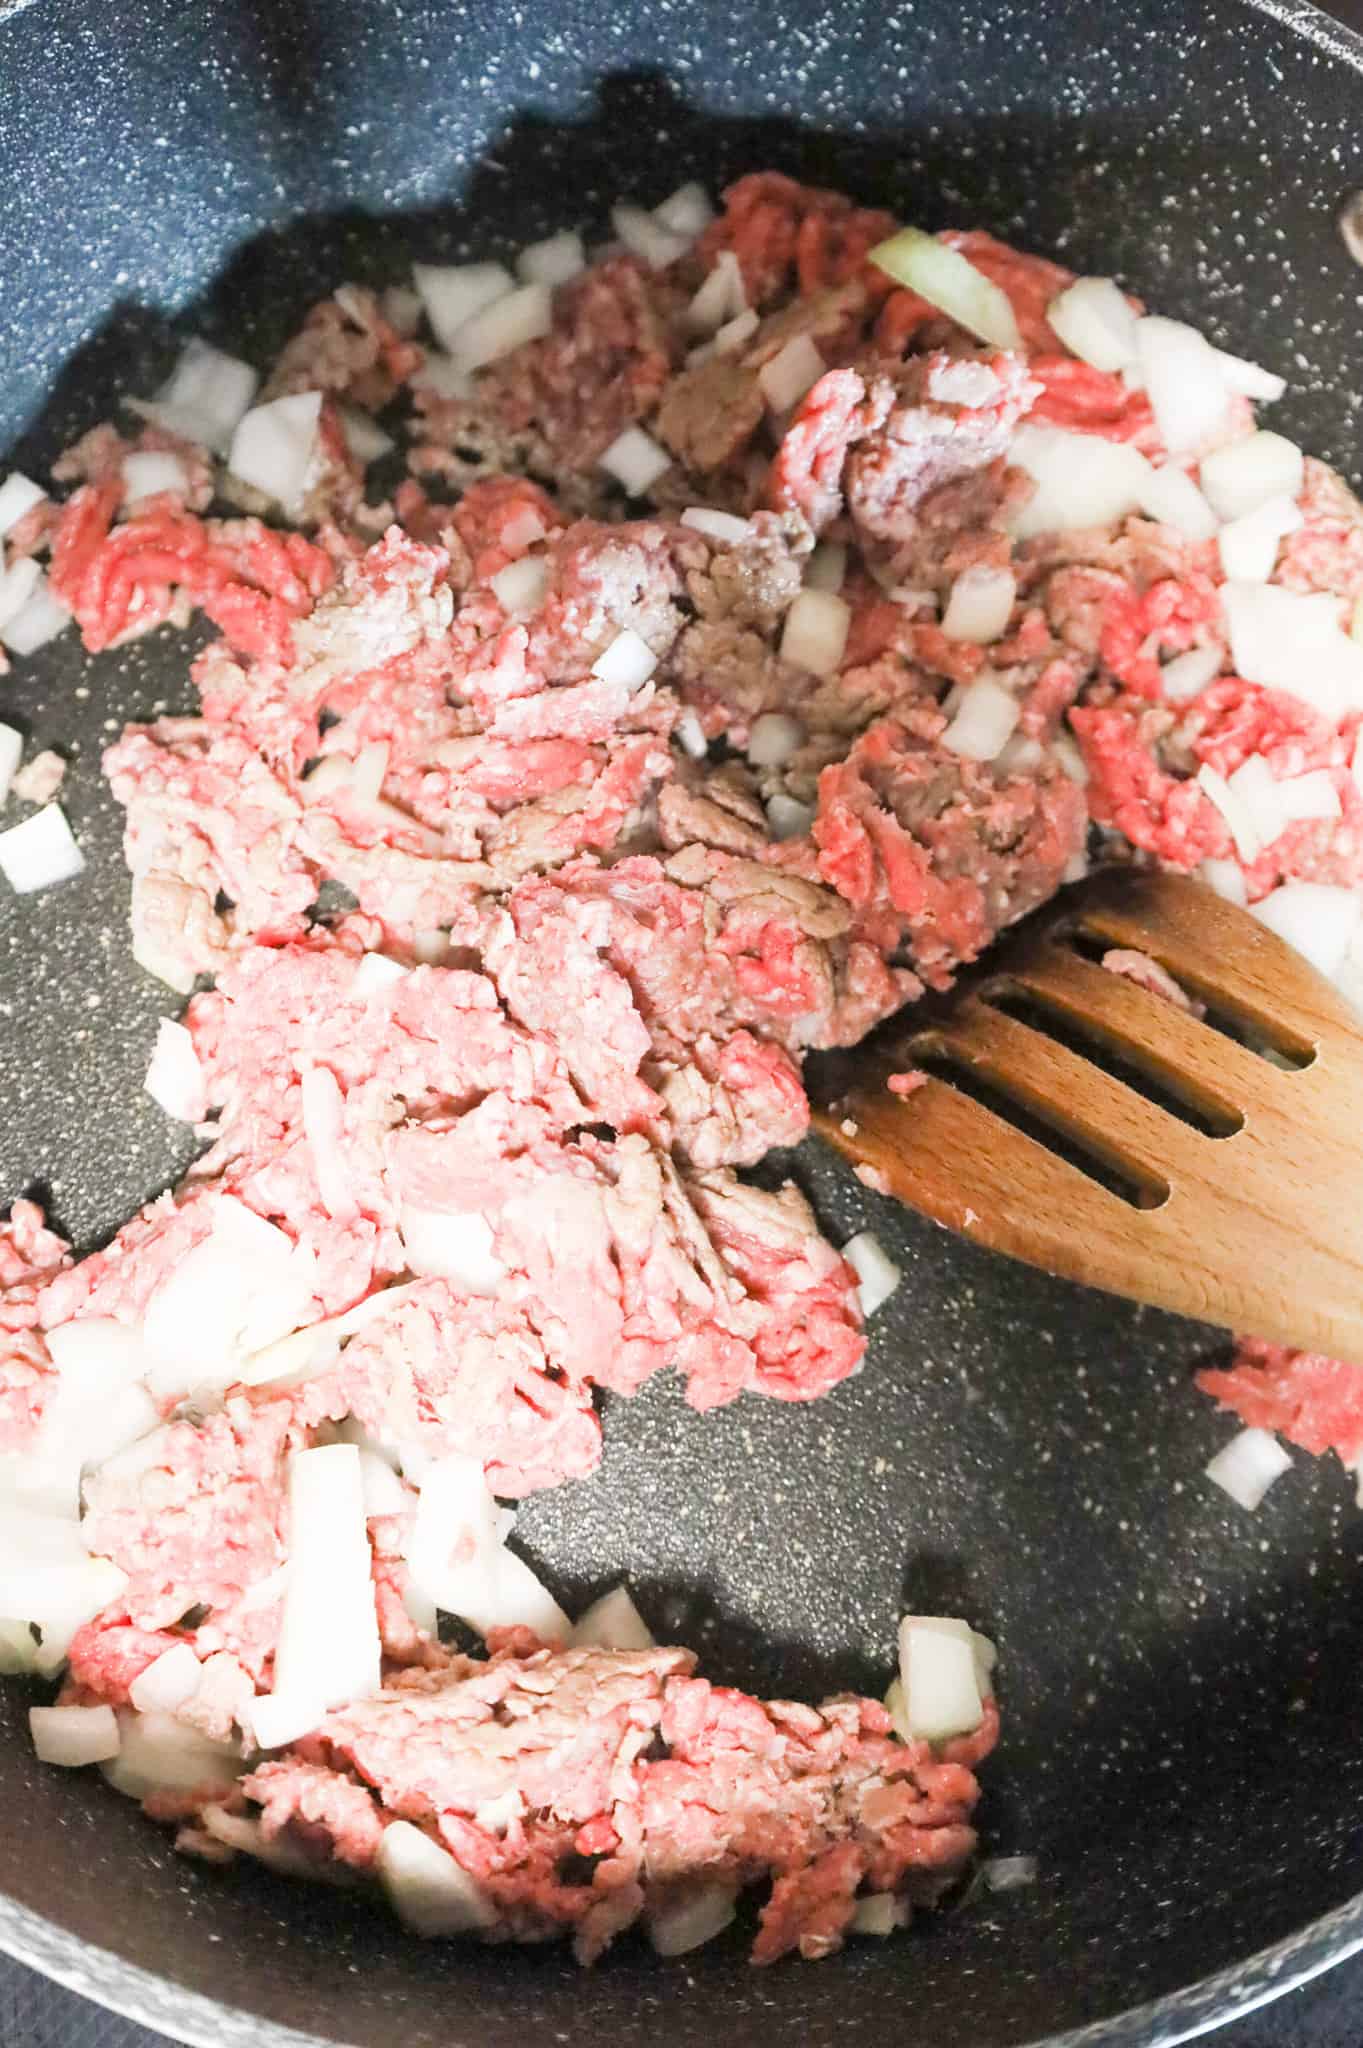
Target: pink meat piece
317 1810
603 579
38 781
500 519
1314 1401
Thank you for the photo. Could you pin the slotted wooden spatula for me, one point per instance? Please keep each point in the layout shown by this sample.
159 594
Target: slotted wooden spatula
1212 1167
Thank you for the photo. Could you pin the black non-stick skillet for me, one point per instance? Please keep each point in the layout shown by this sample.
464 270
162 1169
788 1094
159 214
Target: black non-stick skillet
1181 1684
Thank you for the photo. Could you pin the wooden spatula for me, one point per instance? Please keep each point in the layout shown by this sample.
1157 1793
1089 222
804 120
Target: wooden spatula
1249 1215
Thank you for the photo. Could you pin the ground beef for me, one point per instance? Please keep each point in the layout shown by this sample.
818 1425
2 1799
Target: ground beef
1315 1402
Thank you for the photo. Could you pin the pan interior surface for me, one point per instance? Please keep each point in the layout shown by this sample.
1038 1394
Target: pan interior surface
1179 1683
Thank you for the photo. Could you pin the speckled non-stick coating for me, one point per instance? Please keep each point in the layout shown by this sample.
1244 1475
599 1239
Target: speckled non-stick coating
1180 1684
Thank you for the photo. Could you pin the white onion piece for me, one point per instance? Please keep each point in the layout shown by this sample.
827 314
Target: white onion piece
1187 675
519 588
40 852
96 1410
980 605
1239 817
1170 496
814 636
384 1493
458 1557
18 1650
940 1677
1312 795
790 373
788 817
635 460
877 1274
1288 640
1242 476
1318 920
826 568
275 448
328 1650
1248 1465
629 660
774 737
879 1914
735 332
945 278
691 1918
375 973
238 1832
686 212
238 1290
74 1736
508 323
721 297
1226 878
1188 390
984 720
1081 480
401 308
175 1079
364 438
553 261
367 773
11 753
40 620
444 1245
426 1888
1249 380
147 475
1072 762
18 495
454 293
167 1682
444 376
323 1122
1096 322
1249 545
612 1623
205 396
725 527
1009 1873
18 584
691 736
644 235
157 1753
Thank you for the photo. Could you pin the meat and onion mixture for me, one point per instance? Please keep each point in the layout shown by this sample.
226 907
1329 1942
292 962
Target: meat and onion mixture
633 670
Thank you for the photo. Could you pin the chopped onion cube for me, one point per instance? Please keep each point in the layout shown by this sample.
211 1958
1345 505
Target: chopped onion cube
11 753
1170 496
980 605
443 1245
453 293
721 297
774 737
644 235
984 720
364 438
826 568
401 308
1188 391
1248 1465
877 1274
553 261
814 636
726 527
279 1719
691 1917
691 736
40 620
18 1650
444 376
1226 877
612 1623
205 396
943 277
426 1888
735 332
508 323
519 588
629 660
17 585
1307 796
233 1293
458 1557
1249 545
328 1633
940 1676
1189 674
18 495
687 212
1096 322
157 1753
635 460
375 973
39 852
175 1080
1321 921
275 448
788 817
74 1736
167 1682
1248 380
1082 480
147 475
1291 640
1072 762
1243 475
879 1914
1239 817
384 1493
1009 1873
790 373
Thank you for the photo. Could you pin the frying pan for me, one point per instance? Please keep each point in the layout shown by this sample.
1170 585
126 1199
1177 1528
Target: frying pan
1180 1684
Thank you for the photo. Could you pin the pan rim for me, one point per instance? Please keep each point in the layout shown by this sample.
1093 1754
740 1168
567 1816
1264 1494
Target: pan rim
102 1976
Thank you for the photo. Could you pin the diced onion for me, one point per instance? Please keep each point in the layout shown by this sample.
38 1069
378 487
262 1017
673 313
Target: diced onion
644 235
458 1557
375 973
788 817
1170 496
879 1914
814 636
235 1292
74 1736
508 323
1243 475
175 1079
328 1650
612 1623
943 277
877 1274
275 448
1081 479
444 376
519 588
1187 388
1312 795
1072 762
445 1245
980 605
691 736
401 308
1239 817
40 620
426 1888
1321 921
157 1753
17 585
1189 674
629 660
725 527
774 737
721 297
364 438
205 396
1249 545
146 475
1226 878
553 261
18 1650
735 332
1096 322
39 852
826 568
18 495
1291 640
940 1673
1248 1465
686 212
635 460
453 293
1009 1873
11 753
167 1682
790 373
1250 380
984 720
691 1917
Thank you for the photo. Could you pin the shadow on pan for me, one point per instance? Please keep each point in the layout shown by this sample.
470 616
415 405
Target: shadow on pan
1178 1684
